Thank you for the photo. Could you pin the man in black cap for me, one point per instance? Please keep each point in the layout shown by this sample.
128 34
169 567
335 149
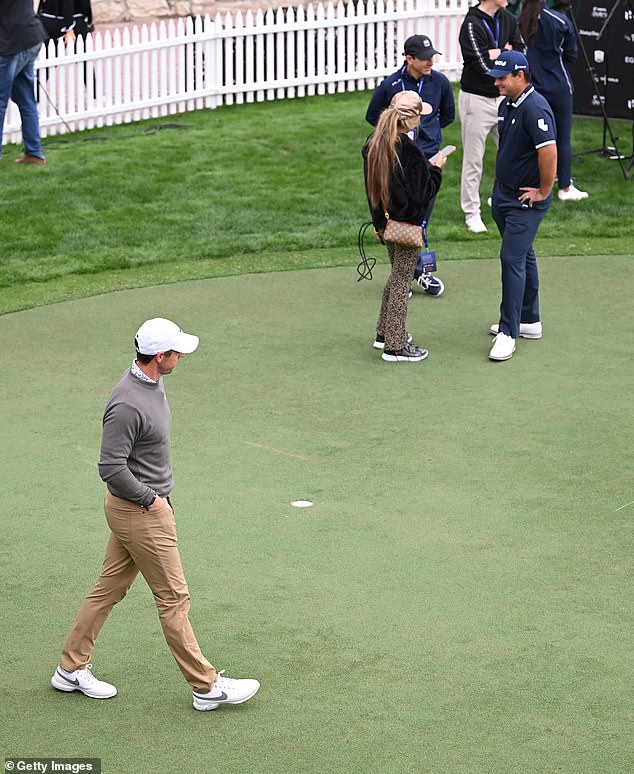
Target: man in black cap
21 36
417 74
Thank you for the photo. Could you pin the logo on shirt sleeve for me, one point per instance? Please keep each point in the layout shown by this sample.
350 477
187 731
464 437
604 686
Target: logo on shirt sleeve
541 124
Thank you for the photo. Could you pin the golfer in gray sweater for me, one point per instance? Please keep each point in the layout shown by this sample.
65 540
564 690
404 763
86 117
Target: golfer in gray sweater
135 464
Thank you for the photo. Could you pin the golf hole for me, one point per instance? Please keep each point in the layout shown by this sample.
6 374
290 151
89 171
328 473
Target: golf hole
302 503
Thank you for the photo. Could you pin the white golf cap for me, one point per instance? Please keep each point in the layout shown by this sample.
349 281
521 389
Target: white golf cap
160 335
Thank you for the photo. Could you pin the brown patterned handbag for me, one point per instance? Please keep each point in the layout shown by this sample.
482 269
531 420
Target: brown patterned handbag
405 234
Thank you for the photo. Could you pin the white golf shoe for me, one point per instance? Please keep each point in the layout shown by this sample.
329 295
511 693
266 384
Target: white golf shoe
503 347
82 680
225 691
572 194
527 330
474 224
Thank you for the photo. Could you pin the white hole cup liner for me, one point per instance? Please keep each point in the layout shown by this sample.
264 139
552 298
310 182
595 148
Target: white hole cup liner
301 503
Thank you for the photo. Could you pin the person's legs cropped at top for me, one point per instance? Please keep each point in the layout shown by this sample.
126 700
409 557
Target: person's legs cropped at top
518 227
7 73
393 313
561 105
479 120
23 94
17 82
141 541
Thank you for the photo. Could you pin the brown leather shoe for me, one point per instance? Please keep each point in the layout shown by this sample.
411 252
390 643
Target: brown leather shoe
30 160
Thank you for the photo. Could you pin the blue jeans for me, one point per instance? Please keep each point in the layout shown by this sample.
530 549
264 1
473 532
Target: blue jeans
17 82
518 226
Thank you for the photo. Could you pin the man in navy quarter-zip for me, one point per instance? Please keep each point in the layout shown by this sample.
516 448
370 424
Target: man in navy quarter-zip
434 88
487 30
417 74
525 171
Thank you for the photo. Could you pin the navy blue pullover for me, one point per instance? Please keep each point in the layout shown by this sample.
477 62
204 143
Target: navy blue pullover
554 44
435 89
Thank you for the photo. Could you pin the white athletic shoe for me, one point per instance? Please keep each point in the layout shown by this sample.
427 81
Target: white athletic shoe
225 691
527 330
503 347
82 680
572 194
474 224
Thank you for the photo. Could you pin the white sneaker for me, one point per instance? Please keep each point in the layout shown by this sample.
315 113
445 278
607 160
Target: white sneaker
225 691
82 680
503 347
475 224
572 194
527 330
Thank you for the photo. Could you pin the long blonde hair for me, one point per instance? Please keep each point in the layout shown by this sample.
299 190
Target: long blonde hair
402 115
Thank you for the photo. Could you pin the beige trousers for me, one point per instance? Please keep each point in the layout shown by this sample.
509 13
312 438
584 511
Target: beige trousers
141 541
479 120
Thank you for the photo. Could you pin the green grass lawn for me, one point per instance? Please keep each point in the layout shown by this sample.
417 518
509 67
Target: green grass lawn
457 600
247 188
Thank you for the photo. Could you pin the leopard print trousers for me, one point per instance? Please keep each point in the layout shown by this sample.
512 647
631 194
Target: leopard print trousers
393 314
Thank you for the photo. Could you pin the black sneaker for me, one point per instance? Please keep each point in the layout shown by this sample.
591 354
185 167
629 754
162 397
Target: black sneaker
379 341
409 354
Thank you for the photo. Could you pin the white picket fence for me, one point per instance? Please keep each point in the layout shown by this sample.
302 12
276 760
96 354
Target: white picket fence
179 65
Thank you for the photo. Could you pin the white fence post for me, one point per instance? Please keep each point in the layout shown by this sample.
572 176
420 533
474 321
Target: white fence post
197 62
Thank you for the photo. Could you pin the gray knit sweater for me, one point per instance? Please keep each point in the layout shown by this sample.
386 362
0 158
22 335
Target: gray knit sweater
135 445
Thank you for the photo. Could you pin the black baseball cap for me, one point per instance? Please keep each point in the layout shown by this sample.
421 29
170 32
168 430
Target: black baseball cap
420 47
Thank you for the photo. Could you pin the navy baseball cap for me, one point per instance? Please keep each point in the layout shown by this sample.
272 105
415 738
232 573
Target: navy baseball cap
508 62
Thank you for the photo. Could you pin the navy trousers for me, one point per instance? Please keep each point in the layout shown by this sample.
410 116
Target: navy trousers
561 105
518 226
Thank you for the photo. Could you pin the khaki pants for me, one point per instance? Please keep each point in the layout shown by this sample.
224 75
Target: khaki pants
141 541
479 120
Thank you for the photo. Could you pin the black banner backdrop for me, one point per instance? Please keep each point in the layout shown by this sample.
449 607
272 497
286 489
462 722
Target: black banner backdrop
606 32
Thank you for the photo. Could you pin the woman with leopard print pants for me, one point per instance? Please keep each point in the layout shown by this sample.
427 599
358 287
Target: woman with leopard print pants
400 182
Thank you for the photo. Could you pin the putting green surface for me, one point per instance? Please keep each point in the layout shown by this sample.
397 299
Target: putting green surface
457 599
